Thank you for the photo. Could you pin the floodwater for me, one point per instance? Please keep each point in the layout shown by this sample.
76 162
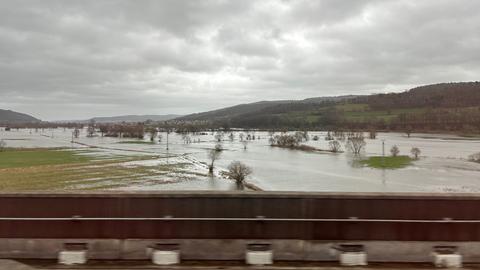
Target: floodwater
443 166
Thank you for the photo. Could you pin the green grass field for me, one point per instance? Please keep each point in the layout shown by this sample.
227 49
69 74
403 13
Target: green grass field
353 107
388 162
385 115
61 169
18 158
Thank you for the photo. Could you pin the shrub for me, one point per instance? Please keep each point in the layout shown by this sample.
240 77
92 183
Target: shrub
334 146
238 172
355 143
394 151
475 157
415 152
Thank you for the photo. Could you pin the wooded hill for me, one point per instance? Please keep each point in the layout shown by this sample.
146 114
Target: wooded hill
437 107
262 107
444 95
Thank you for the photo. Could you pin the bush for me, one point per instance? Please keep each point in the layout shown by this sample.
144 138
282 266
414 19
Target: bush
394 151
334 146
213 155
238 172
355 143
475 157
286 140
415 152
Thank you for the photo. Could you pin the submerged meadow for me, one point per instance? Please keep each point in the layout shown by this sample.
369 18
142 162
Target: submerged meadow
48 160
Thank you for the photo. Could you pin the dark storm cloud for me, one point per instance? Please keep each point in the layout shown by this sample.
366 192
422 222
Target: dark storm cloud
76 59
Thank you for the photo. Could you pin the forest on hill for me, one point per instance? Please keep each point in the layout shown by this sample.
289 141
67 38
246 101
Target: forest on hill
437 107
444 95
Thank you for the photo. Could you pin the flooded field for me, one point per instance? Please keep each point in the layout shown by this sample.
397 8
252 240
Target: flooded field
126 164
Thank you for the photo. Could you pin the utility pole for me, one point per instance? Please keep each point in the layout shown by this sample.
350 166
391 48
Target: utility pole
168 132
383 153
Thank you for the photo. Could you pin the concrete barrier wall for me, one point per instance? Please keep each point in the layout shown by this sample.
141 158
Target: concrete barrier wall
219 225
214 215
216 249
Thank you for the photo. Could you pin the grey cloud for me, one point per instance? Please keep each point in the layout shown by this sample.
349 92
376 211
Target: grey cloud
108 57
246 42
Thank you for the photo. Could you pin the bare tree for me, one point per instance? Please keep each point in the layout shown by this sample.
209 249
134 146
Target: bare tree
334 146
394 151
91 128
3 144
186 138
272 141
219 136
415 152
103 129
355 143
339 135
408 131
245 144
152 132
76 133
329 136
213 155
301 136
238 172
285 140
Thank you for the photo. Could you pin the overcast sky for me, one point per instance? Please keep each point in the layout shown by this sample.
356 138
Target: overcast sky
78 59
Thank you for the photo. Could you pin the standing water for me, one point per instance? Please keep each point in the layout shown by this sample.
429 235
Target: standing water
442 167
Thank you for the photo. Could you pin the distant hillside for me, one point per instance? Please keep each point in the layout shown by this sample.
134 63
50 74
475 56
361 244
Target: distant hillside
134 118
8 116
233 111
335 99
436 107
262 107
446 95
